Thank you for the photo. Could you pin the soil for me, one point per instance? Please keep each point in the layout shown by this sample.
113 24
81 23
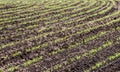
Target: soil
11 33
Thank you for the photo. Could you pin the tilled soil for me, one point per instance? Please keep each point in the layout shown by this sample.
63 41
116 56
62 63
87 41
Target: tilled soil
73 32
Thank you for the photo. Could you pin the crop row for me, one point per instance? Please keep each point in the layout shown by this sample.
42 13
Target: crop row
20 7
38 9
22 14
86 54
30 27
13 43
46 44
49 27
89 27
37 14
87 40
101 63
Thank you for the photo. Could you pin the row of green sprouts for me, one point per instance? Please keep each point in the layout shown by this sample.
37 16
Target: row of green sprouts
62 39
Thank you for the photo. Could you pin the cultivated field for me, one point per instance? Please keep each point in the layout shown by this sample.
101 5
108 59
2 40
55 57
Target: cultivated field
60 36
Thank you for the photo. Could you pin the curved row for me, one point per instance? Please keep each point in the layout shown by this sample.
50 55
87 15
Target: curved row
52 26
38 14
78 57
43 44
60 40
32 26
44 9
116 20
46 34
21 6
102 33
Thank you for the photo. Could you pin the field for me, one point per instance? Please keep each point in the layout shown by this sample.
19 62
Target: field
60 36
